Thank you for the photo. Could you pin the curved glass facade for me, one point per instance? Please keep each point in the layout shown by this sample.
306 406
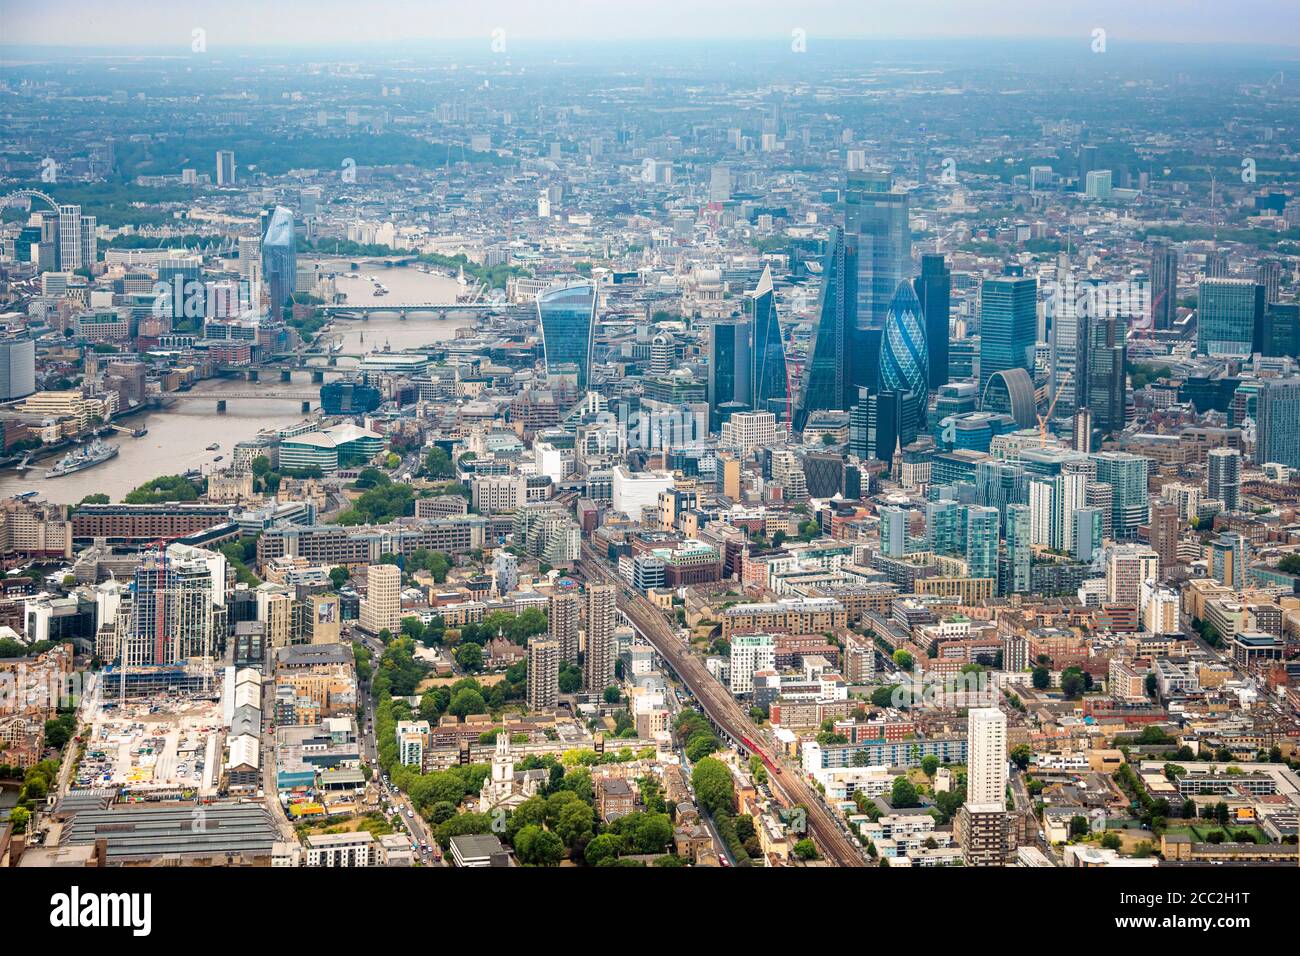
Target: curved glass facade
279 259
826 377
568 315
904 360
1011 392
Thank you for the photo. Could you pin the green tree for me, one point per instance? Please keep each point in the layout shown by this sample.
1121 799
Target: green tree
903 794
606 846
805 849
470 657
713 785
467 701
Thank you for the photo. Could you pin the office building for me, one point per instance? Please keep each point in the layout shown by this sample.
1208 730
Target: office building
877 214
17 366
826 380
1081 431
934 292
1229 317
729 365
1281 329
225 167
1106 395
1067 310
1008 325
1164 285
567 316
904 361
768 377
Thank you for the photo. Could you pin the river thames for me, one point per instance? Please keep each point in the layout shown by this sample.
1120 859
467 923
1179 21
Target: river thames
178 437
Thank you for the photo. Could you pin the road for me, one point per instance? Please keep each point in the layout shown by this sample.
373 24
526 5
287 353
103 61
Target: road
826 830
416 826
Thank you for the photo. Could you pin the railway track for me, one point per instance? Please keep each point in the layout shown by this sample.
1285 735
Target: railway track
725 712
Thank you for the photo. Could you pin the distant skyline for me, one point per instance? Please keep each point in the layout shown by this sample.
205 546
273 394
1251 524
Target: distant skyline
244 23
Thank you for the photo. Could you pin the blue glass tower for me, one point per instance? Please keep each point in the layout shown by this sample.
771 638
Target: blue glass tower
982 525
826 381
1019 527
279 259
904 360
768 379
1008 325
568 316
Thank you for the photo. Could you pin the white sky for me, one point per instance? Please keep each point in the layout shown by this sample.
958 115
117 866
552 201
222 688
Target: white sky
138 23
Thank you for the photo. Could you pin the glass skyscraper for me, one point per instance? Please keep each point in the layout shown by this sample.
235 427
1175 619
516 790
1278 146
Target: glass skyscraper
279 259
1130 502
876 215
568 315
982 525
1164 285
1106 394
1229 317
943 528
1008 325
826 380
1018 550
768 377
728 367
1277 424
904 360
934 292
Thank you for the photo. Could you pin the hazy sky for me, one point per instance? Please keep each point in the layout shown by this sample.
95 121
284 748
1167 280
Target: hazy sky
144 23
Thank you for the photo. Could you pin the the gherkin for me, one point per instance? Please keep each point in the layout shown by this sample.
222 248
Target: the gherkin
904 360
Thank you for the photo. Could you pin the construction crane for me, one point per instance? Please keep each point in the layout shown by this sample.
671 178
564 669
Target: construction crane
1043 419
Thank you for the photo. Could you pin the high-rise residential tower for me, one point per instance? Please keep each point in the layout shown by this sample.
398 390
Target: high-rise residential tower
1223 468
543 673
279 259
564 620
598 660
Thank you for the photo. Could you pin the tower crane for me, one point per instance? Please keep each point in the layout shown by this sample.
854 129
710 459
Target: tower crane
1043 419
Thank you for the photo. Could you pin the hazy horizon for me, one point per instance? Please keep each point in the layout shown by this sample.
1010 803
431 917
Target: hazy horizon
101 24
